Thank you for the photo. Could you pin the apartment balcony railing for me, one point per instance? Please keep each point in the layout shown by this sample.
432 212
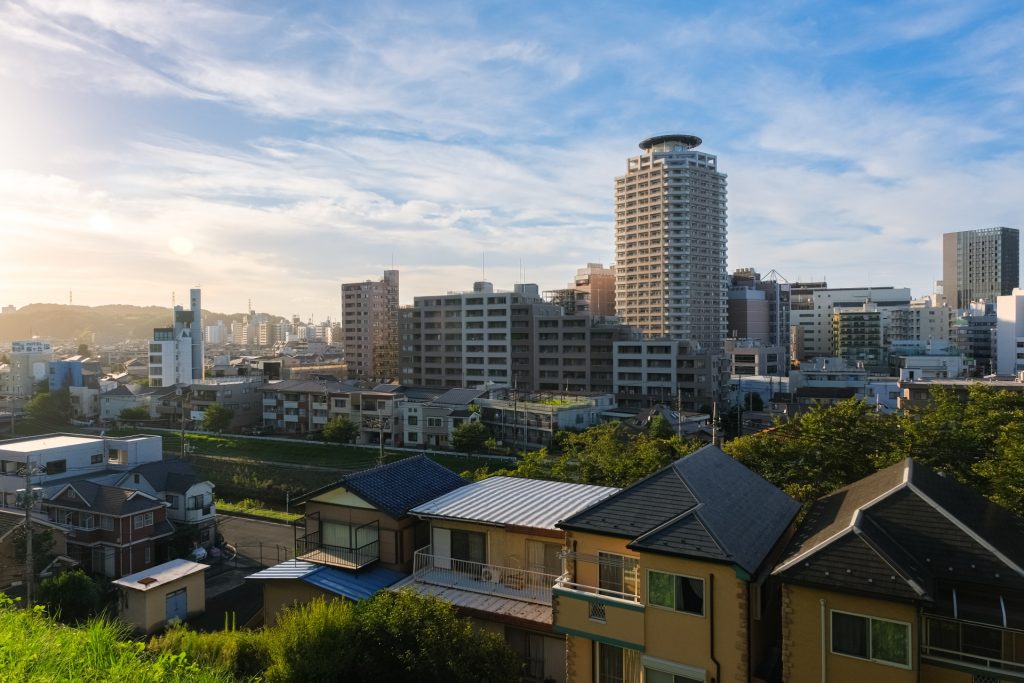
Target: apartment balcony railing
998 652
565 583
309 548
480 577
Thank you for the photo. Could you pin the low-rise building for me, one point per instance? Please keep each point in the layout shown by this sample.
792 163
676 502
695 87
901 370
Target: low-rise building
189 497
906 575
157 596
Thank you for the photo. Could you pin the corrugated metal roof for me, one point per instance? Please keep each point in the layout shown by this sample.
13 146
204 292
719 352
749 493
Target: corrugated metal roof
162 574
291 569
487 606
353 585
513 501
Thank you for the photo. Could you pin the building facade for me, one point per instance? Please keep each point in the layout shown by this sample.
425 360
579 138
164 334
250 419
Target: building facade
176 352
980 264
369 319
670 242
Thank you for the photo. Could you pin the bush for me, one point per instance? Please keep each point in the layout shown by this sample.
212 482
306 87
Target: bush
71 597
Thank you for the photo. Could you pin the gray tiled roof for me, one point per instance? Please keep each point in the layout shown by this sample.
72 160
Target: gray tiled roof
705 505
176 476
907 533
107 500
399 486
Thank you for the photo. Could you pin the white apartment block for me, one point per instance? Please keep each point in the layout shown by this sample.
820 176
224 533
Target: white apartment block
670 242
1010 333
176 353
812 333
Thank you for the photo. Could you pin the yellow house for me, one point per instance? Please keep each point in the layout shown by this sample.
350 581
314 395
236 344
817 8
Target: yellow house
357 535
152 598
904 576
495 554
665 581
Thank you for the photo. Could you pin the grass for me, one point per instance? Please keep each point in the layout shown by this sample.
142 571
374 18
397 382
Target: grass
33 647
256 508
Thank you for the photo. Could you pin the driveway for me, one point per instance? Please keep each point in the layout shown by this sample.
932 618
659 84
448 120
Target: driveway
261 542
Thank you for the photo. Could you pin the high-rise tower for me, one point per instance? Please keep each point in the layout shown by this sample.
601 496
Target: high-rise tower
980 264
369 319
670 242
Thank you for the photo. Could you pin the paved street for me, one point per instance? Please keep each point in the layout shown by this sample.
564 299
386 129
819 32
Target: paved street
262 542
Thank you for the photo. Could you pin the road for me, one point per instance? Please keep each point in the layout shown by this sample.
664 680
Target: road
263 542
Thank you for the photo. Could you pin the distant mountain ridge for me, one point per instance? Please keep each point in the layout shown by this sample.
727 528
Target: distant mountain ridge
111 323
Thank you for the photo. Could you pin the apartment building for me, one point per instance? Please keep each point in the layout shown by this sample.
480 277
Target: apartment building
857 336
980 265
369 319
759 308
1010 333
27 367
665 580
495 552
176 352
925 320
649 371
906 575
242 395
670 242
813 309
530 420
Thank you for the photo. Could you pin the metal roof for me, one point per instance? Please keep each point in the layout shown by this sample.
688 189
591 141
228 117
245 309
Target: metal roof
160 575
513 501
490 607
353 585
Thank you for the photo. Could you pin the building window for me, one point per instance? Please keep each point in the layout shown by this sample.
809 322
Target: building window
96 459
679 593
878 640
655 676
172 500
147 555
544 557
616 664
143 520
412 420
57 467
618 574
106 523
530 647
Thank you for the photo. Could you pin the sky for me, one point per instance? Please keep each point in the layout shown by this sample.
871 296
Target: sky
269 151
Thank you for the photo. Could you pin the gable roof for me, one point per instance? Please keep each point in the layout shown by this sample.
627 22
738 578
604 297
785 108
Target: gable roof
514 501
705 505
907 533
176 476
399 486
105 500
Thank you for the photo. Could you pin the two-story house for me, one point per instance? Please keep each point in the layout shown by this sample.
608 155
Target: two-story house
357 535
110 530
189 497
495 554
905 575
665 579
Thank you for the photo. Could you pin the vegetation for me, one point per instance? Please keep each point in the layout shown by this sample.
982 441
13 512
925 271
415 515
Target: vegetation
136 413
36 649
42 547
608 455
470 437
340 429
979 441
390 637
255 508
217 418
72 597
50 407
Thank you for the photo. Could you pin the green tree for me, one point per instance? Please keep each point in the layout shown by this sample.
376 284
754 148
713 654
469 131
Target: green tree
42 547
610 455
51 407
470 437
659 427
71 597
136 413
217 418
341 430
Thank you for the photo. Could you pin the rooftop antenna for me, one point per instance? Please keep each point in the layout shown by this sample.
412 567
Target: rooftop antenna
483 265
71 298
173 301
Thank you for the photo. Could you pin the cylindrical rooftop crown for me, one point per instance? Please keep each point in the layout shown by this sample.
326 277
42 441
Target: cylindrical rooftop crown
689 141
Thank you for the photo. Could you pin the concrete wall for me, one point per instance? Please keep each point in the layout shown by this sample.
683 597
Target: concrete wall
147 610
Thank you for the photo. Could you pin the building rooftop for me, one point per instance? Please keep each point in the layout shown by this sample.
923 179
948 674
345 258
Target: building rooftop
44 443
160 575
705 505
512 501
352 585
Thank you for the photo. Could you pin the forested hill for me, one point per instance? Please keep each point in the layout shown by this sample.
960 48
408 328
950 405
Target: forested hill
111 324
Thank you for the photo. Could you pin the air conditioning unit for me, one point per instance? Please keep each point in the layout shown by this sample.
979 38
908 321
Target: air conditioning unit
491 574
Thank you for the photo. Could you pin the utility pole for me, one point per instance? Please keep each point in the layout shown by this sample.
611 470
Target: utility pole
29 560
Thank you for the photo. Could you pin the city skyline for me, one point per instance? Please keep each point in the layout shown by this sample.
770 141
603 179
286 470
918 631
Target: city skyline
271 154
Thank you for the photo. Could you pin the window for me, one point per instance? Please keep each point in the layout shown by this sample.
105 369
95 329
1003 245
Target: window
57 467
655 676
106 523
412 420
679 593
616 665
617 574
96 459
530 647
878 640
143 520
173 500
544 557
147 554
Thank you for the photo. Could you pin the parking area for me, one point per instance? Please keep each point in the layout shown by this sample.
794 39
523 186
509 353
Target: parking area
262 543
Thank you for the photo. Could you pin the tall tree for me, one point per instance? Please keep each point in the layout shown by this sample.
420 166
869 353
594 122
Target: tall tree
470 437
217 418
340 429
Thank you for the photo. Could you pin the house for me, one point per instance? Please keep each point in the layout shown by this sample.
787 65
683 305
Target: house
361 529
665 580
189 497
152 598
430 424
12 558
495 554
905 575
110 530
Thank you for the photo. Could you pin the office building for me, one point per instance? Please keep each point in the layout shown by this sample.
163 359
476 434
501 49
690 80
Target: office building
176 353
813 308
980 264
670 242
369 319
27 368
1010 333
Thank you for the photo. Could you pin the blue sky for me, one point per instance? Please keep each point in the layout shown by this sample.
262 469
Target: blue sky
269 151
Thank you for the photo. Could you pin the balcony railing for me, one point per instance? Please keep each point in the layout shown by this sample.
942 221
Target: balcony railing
480 577
564 583
998 651
309 548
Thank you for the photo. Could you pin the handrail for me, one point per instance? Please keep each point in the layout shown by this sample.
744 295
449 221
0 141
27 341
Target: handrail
565 584
481 577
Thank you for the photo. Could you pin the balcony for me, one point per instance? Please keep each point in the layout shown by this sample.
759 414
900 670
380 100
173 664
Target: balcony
987 650
598 613
308 547
479 577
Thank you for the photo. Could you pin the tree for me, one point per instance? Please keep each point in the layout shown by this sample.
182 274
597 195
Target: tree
71 597
341 430
659 427
136 413
50 407
42 547
609 455
470 437
217 418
